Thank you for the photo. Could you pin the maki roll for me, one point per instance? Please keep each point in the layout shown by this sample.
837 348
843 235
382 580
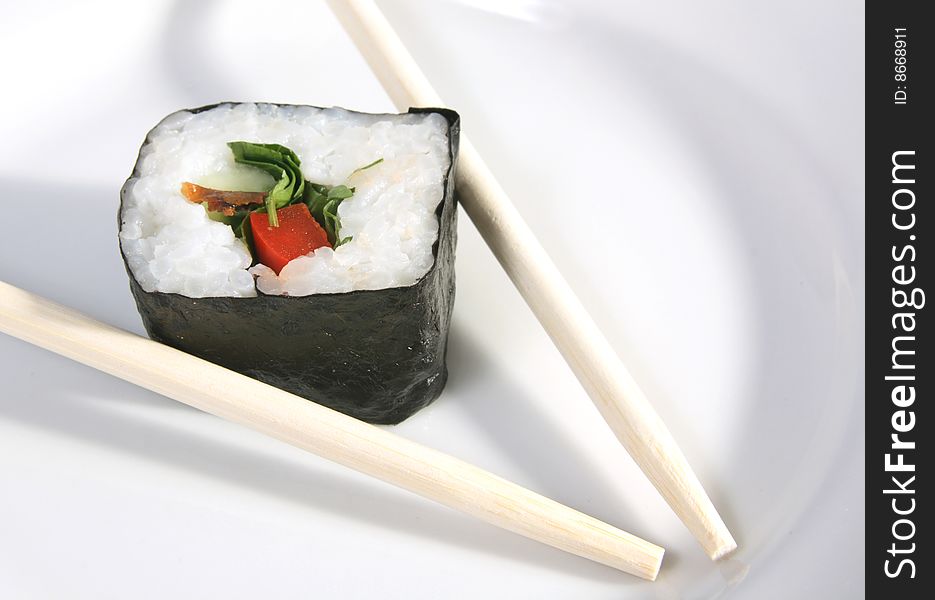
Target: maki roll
309 248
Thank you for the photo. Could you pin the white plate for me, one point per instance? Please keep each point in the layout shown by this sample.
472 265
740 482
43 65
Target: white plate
695 171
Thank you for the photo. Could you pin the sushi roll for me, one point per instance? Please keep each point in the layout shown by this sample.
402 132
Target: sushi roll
312 249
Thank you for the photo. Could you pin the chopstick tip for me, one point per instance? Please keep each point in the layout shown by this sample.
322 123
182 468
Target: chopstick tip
654 570
725 548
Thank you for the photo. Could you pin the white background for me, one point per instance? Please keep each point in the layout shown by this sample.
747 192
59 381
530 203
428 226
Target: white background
695 170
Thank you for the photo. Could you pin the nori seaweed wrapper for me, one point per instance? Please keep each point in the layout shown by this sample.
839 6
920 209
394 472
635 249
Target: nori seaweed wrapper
378 355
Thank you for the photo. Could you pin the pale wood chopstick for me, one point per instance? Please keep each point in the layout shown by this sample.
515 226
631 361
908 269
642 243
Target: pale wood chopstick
613 390
322 431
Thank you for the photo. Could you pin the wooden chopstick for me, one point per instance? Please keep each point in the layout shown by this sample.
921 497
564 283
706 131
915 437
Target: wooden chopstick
616 394
321 431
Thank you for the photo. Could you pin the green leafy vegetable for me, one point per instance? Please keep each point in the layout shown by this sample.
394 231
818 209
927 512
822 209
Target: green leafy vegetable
316 196
245 232
365 167
232 220
290 187
280 162
332 224
323 202
340 192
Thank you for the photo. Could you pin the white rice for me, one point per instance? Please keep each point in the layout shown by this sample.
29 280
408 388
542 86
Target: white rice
172 246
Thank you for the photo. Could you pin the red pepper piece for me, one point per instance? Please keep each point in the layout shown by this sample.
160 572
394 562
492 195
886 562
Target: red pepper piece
297 235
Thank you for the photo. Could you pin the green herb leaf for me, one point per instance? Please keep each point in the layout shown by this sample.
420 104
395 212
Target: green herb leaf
332 222
283 164
316 196
232 220
340 192
365 167
245 232
323 204
280 162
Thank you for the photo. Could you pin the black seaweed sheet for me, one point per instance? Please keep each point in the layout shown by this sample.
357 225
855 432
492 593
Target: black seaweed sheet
378 355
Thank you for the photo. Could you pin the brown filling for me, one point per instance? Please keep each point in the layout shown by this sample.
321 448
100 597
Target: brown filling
221 201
